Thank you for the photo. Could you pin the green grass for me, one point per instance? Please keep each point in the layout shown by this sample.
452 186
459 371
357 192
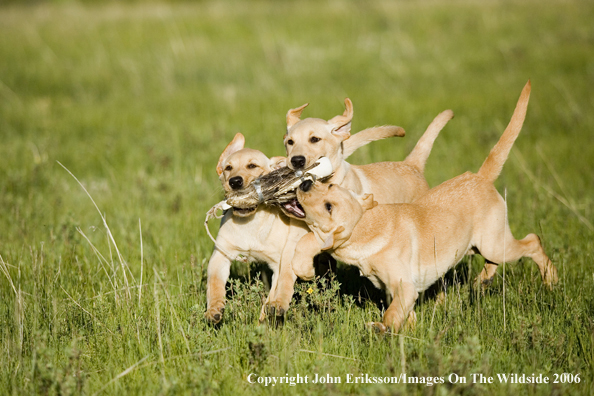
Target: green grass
138 101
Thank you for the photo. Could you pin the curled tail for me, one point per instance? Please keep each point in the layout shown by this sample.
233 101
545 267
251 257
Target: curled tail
418 156
492 166
369 135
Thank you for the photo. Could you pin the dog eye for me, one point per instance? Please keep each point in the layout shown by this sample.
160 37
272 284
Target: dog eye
328 207
314 139
252 166
228 168
290 142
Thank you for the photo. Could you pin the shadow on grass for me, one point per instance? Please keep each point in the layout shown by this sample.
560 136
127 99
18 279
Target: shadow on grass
327 270
360 288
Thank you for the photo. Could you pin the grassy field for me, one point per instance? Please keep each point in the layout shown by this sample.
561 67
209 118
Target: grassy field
138 100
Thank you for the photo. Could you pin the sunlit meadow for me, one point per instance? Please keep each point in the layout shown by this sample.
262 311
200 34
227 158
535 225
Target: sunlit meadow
137 100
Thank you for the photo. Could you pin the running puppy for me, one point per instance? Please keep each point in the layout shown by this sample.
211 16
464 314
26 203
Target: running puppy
390 182
404 248
258 234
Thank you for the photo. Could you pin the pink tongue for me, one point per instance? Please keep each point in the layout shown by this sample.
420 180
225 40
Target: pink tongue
293 208
298 211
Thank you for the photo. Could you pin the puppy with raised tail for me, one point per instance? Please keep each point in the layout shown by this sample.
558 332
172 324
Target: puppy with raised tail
260 234
404 248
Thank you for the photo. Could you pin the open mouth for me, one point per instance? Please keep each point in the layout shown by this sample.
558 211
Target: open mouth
242 212
294 208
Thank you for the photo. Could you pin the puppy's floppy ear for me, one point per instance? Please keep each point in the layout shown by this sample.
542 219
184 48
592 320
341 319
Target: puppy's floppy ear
236 144
294 115
329 242
278 162
366 201
341 125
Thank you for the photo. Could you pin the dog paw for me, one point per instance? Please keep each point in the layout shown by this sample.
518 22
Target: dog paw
411 322
214 315
483 282
273 314
377 327
263 316
440 299
550 277
275 309
486 282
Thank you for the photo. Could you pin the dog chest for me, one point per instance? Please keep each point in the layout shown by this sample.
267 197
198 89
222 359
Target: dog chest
260 237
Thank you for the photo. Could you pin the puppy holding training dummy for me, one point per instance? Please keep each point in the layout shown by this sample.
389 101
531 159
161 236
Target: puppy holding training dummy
404 248
390 182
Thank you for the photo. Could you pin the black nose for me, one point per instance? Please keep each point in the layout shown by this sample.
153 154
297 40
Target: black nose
236 182
306 185
298 161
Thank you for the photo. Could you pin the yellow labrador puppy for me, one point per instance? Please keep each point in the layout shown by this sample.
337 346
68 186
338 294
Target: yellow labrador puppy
260 234
390 182
404 248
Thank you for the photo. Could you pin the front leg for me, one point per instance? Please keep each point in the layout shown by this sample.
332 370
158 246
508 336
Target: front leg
218 273
282 290
307 248
269 300
404 295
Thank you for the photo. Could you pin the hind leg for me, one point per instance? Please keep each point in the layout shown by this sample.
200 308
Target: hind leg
486 276
530 246
548 271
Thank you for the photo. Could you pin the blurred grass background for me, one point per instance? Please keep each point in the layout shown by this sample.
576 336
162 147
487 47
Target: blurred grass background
138 99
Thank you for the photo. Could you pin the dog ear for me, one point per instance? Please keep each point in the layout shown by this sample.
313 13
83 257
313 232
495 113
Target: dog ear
341 125
294 115
236 144
329 242
366 201
278 162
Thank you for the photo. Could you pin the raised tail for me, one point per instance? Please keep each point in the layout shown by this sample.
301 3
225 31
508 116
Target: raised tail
369 135
418 156
492 166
